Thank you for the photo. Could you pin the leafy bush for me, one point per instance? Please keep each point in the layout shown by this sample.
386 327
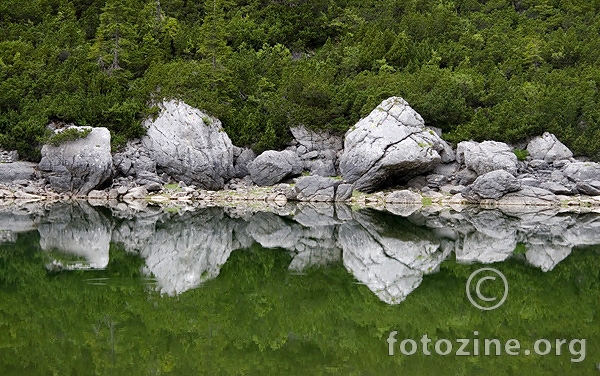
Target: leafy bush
69 134
521 154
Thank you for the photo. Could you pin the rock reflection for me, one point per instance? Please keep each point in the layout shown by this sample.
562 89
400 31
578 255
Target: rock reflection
76 230
388 252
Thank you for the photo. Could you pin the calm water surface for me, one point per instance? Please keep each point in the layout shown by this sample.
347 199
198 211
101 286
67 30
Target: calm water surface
306 290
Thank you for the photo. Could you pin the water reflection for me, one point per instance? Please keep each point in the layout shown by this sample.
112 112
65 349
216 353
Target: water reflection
388 251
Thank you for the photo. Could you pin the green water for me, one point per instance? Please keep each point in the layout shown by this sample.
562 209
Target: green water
258 317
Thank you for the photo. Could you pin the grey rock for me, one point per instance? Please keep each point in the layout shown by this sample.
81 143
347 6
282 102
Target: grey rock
436 181
134 160
316 141
466 177
582 171
343 192
8 156
136 193
389 146
403 197
189 145
311 155
529 181
487 156
97 195
557 188
113 194
78 166
529 196
316 188
322 167
548 148
301 150
446 169
241 163
271 167
151 181
561 163
418 182
9 172
492 185
591 188
539 164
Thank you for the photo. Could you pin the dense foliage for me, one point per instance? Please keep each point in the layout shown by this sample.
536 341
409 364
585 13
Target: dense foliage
482 69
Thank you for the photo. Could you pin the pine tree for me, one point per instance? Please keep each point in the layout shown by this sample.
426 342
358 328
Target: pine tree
116 35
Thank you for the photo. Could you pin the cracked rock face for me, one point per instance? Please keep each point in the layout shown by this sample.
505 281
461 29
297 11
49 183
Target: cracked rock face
582 171
487 156
316 141
189 146
271 167
11 171
316 188
389 146
78 166
492 185
548 148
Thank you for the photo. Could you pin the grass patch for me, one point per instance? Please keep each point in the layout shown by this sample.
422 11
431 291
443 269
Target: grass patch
426 201
521 154
173 186
520 249
356 193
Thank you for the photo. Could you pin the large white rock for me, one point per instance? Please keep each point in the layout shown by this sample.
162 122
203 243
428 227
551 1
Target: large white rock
548 148
189 145
78 166
389 146
486 156
272 166
582 171
492 185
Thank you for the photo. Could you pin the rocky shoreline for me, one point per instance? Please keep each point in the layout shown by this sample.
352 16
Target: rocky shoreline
388 158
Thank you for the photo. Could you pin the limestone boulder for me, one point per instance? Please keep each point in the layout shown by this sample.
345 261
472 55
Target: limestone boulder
189 145
316 188
390 146
492 185
271 167
548 148
81 165
487 156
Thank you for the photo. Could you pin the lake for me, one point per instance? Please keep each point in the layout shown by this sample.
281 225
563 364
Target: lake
300 289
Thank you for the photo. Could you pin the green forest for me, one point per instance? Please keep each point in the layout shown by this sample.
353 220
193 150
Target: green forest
478 69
